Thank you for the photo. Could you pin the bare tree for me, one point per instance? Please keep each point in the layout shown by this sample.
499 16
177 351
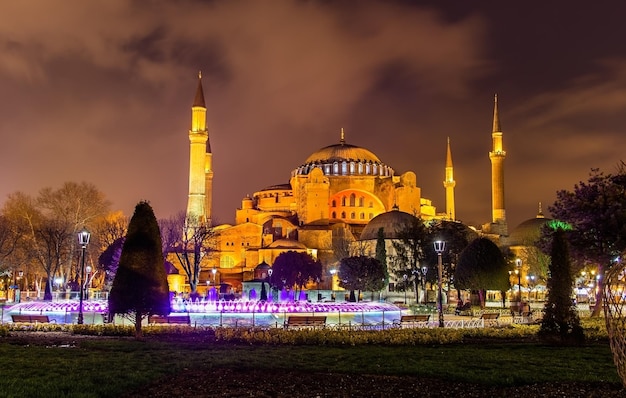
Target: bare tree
49 223
51 249
192 243
10 235
342 242
110 228
410 246
76 205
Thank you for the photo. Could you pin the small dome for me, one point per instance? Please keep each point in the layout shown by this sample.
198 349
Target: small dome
528 232
287 244
391 222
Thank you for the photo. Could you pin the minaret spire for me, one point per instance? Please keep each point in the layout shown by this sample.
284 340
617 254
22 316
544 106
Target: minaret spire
449 184
496 117
199 99
497 156
200 162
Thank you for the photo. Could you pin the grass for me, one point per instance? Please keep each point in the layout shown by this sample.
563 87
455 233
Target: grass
107 367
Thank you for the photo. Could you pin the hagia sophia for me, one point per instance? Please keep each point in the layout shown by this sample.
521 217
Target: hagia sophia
335 194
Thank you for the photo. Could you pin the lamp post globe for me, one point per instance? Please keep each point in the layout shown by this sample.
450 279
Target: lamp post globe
439 246
83 241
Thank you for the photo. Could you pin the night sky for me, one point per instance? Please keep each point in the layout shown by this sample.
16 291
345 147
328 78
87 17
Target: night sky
100 91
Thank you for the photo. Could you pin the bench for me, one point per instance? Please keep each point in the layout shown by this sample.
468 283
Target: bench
305 321
412 320
169 320
490 318
26 318
465 309
525 317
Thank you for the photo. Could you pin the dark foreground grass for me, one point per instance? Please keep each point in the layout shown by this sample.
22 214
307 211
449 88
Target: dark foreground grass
106 367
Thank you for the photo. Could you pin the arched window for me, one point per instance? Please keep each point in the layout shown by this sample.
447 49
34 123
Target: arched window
367 168
352 215
334 215
335 168
360 167
334 203
227 262
327 169
351 167
361 201
343 201
343 214
374 169
371 216
362 216
344 168
352 200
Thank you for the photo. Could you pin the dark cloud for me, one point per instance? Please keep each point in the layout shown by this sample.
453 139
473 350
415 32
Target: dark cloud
101 92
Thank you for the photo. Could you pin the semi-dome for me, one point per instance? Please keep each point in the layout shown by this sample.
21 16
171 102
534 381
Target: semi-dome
391 222
287 244
344 160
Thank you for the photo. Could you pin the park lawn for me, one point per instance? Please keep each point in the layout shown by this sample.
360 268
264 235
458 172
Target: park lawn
108 367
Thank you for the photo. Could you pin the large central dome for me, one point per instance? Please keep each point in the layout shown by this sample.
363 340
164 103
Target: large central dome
340 152
344 160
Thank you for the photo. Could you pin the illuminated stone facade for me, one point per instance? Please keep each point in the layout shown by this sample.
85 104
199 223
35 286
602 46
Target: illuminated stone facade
330 198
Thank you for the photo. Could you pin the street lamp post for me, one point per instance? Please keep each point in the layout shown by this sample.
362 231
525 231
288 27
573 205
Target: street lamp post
518 272
415 274
440 246
83 241
424 271
333 272
405 276
530 282
317 284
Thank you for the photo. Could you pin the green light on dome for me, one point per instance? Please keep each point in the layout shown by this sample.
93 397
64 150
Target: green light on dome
557 224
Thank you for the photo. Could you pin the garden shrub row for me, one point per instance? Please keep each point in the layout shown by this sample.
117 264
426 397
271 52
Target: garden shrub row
595 330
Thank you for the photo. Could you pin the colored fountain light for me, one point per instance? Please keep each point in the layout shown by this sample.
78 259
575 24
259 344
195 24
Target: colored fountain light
210 306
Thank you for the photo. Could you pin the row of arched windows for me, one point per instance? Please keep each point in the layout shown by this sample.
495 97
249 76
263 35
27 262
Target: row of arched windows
353 215
352 201
348 168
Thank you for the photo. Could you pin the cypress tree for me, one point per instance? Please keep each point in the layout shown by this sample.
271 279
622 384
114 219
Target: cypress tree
381 252
560 321
140 286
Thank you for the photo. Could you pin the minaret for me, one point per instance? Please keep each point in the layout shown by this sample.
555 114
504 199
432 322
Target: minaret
497 156
449 184
200 161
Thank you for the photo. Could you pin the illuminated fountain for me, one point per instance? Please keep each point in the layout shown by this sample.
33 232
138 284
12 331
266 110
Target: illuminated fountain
208 312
